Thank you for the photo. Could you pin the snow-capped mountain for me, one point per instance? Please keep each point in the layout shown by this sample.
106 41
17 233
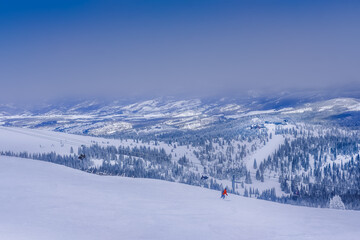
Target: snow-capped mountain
168 114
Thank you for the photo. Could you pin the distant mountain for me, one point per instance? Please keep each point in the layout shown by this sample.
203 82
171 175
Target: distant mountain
164 115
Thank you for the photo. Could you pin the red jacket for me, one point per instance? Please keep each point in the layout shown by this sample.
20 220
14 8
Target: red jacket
224 192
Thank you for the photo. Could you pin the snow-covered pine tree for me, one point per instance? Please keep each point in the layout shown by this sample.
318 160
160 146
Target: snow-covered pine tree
337 203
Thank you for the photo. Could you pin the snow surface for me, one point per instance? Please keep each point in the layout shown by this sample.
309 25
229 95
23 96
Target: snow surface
43 141
301 110
41 200
110 128
260 155
265 151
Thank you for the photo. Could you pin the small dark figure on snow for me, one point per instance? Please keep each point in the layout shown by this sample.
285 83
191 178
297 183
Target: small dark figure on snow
224 193
204 177
82 157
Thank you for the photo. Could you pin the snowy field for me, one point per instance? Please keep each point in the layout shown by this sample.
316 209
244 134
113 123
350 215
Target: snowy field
40 200
43 141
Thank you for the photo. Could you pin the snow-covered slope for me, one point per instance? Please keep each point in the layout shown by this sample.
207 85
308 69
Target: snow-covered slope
40 200
42 141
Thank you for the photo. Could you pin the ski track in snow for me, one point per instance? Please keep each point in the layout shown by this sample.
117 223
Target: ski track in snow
42 201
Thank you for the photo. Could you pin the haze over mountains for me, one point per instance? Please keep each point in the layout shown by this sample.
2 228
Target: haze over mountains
167 114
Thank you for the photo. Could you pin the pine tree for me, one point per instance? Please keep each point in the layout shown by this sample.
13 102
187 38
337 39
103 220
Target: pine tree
258 177
255 164
248 178
336 203
246 193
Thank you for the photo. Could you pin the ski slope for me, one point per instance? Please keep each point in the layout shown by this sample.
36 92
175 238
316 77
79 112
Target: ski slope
40 200
265 151
44 141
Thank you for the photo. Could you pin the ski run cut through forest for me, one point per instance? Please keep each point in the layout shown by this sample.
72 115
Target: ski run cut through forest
290 173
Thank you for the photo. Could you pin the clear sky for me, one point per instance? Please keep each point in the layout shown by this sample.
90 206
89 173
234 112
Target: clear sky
183 48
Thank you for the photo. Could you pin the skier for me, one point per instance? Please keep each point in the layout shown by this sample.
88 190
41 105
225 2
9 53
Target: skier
224 193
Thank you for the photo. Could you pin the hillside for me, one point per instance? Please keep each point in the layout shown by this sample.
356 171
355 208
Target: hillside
297 163
40 200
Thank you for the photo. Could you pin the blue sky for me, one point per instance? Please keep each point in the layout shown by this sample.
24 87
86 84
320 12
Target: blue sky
182 48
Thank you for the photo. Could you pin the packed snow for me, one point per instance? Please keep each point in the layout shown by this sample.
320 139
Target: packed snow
40 200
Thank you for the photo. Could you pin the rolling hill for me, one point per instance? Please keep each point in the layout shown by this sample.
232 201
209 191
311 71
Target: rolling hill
40 200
